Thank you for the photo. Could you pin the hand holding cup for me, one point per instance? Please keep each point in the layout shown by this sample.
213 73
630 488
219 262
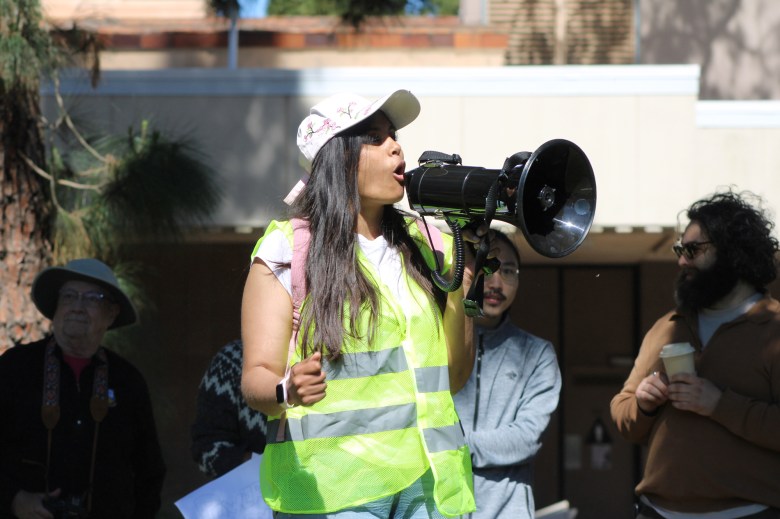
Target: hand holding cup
678 358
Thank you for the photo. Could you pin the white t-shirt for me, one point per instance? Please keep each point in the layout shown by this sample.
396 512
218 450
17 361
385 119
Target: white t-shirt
275 251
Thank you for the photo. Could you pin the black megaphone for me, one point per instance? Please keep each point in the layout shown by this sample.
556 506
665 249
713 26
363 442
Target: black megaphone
549 194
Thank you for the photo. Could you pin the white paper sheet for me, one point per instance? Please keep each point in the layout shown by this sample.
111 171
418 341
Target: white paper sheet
236 495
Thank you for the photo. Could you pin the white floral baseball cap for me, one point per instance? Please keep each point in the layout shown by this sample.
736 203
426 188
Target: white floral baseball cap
340 112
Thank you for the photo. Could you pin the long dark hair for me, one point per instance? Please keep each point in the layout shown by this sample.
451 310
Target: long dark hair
330 202
741 234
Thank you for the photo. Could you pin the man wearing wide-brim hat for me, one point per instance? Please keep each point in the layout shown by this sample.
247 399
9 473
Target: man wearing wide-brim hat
79 435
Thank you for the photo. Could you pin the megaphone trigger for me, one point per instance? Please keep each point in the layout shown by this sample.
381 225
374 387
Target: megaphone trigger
474 297
472 308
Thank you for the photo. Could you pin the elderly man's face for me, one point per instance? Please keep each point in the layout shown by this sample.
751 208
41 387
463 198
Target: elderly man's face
84 313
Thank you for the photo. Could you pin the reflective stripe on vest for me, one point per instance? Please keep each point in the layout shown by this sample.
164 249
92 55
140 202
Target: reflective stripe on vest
366 421
432 379
445 438
345 423
366 364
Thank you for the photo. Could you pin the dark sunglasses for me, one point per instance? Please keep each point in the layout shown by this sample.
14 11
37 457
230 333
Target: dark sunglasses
690 250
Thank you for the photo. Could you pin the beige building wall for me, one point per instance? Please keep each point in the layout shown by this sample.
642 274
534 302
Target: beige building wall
262 57
124 9
653 145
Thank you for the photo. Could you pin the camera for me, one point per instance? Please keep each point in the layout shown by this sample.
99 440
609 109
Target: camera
68 507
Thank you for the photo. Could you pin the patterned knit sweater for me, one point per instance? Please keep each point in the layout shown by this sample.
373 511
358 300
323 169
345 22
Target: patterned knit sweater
226 431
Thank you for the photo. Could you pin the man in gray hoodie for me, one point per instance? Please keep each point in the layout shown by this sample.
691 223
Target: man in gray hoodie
507 402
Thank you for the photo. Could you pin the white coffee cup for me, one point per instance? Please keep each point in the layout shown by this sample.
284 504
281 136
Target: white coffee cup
678 358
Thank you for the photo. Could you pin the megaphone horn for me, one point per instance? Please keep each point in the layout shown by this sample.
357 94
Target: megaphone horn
549 194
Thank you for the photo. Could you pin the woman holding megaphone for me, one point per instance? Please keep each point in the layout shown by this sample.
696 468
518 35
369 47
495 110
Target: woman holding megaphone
349 347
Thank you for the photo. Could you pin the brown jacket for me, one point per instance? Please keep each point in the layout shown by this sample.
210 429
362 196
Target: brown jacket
732 458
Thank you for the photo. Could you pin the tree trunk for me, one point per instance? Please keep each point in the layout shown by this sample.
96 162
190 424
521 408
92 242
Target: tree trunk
25 242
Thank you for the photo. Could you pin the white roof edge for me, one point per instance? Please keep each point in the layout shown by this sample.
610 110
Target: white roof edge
532 80
738 114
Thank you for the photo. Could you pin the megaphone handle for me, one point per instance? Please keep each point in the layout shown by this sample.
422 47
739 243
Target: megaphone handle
473 302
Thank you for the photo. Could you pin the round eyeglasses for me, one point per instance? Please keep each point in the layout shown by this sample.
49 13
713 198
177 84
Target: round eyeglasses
507 274
690 250
91 299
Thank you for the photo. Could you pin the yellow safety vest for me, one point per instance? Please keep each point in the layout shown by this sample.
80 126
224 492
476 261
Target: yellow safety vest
387 417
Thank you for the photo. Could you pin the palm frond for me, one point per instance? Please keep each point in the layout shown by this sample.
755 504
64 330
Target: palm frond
159 188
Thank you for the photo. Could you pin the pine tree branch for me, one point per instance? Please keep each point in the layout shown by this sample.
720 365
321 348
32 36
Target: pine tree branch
69 122
50 178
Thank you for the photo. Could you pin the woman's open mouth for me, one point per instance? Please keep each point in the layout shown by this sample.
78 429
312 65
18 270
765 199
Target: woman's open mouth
398 172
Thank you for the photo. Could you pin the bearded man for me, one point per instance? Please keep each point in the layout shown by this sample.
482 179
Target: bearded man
713 437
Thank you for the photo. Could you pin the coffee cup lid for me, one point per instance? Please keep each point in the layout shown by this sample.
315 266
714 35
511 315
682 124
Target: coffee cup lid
677 348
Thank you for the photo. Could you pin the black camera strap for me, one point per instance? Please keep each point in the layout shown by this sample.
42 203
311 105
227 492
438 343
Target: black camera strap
50 407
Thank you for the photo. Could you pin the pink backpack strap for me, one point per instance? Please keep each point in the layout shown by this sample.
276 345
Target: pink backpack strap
435 241
300 251
301 238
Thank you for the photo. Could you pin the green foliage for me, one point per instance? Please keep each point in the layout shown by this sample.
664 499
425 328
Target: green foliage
71 239
223 7
117 190
433 7
165 184
106 192
26 47
354 12
441 7
351 8
112 192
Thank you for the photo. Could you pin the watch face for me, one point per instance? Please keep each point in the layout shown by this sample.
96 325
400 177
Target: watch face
279 393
